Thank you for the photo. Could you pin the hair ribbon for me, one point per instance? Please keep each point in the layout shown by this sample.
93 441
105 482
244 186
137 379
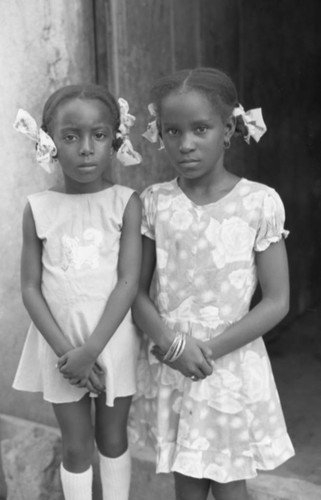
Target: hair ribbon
152 133
45 146
253 120
126 153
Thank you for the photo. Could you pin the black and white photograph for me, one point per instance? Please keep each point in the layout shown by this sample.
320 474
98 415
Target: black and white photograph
160 282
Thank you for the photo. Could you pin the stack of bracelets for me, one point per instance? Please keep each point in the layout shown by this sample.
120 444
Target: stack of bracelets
176 348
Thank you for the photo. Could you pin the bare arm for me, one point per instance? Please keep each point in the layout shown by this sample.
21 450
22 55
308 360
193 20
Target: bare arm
77 363
144 311
31 275
273 275
193 359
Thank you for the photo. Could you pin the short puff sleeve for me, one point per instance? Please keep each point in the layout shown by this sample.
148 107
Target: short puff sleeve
271 223
148 213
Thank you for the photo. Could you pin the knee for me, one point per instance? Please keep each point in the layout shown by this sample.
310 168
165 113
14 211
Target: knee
235 490
112 444
190 488
78 455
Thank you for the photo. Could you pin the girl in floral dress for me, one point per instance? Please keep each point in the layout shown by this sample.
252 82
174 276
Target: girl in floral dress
209 238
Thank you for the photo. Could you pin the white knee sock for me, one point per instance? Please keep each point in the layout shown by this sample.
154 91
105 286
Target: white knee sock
76 486
115 476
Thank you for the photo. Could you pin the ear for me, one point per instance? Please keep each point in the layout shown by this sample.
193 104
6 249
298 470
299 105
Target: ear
230 127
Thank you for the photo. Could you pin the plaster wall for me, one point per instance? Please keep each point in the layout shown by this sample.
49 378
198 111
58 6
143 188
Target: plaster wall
43 45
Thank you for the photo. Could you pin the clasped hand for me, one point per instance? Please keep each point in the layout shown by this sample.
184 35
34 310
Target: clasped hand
194 362
82 370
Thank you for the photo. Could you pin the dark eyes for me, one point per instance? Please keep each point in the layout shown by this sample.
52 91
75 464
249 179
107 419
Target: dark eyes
70 138
99 136
202 129
172 131
199 130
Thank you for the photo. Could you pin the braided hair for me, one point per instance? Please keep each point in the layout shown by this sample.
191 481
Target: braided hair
213 83
85 92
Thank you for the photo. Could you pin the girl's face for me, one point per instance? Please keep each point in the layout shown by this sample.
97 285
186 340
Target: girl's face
83 134
193 134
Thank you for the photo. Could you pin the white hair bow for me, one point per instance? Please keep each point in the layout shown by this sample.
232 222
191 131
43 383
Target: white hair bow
126 153
152 133
45 147
253 120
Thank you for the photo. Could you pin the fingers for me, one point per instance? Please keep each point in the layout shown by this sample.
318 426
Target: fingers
96 382
77 381
98 369
195 361
91 387
61 361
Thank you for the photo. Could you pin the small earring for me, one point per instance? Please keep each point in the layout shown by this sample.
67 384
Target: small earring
227 143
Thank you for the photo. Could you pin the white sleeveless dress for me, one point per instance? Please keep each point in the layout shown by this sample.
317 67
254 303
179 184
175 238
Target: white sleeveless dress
80 235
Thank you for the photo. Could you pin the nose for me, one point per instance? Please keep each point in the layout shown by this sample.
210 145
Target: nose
186 144
86 146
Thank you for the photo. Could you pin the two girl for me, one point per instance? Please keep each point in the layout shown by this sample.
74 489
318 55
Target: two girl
209 238
80 265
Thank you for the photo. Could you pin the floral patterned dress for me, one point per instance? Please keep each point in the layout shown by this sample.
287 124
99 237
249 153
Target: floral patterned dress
230 424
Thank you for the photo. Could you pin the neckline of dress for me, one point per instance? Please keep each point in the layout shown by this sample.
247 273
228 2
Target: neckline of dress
82 194
223 198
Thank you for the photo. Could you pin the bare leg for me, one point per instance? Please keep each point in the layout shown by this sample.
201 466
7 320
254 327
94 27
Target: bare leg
76 472
190 488
111 425
235 490
77 433
114 455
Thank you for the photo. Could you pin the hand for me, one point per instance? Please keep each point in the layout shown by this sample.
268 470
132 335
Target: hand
76 366
195 360
96 380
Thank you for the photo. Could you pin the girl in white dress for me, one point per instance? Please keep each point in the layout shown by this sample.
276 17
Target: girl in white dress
210 237
81 260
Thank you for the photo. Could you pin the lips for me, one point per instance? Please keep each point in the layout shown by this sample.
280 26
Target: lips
87 165
189 161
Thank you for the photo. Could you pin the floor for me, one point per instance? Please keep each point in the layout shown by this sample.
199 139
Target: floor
295 355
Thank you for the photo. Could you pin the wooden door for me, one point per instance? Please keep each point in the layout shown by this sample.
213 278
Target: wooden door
137 41
271 50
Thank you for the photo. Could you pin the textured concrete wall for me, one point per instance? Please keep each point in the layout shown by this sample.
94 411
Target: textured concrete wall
43 45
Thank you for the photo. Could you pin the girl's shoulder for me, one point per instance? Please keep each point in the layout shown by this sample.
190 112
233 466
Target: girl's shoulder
248 186
165 188
258 193
122 190
39 197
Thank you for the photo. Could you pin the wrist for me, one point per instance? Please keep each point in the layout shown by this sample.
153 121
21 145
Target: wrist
90 351
63 349
166 340
211 344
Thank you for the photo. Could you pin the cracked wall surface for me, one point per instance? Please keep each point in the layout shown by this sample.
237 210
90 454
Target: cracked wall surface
43 45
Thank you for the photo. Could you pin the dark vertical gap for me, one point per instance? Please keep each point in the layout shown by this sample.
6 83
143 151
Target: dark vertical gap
172 37
240 83
100 10
95 28
198 34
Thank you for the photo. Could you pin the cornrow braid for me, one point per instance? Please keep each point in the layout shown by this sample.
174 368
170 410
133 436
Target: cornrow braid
216 85
89 91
